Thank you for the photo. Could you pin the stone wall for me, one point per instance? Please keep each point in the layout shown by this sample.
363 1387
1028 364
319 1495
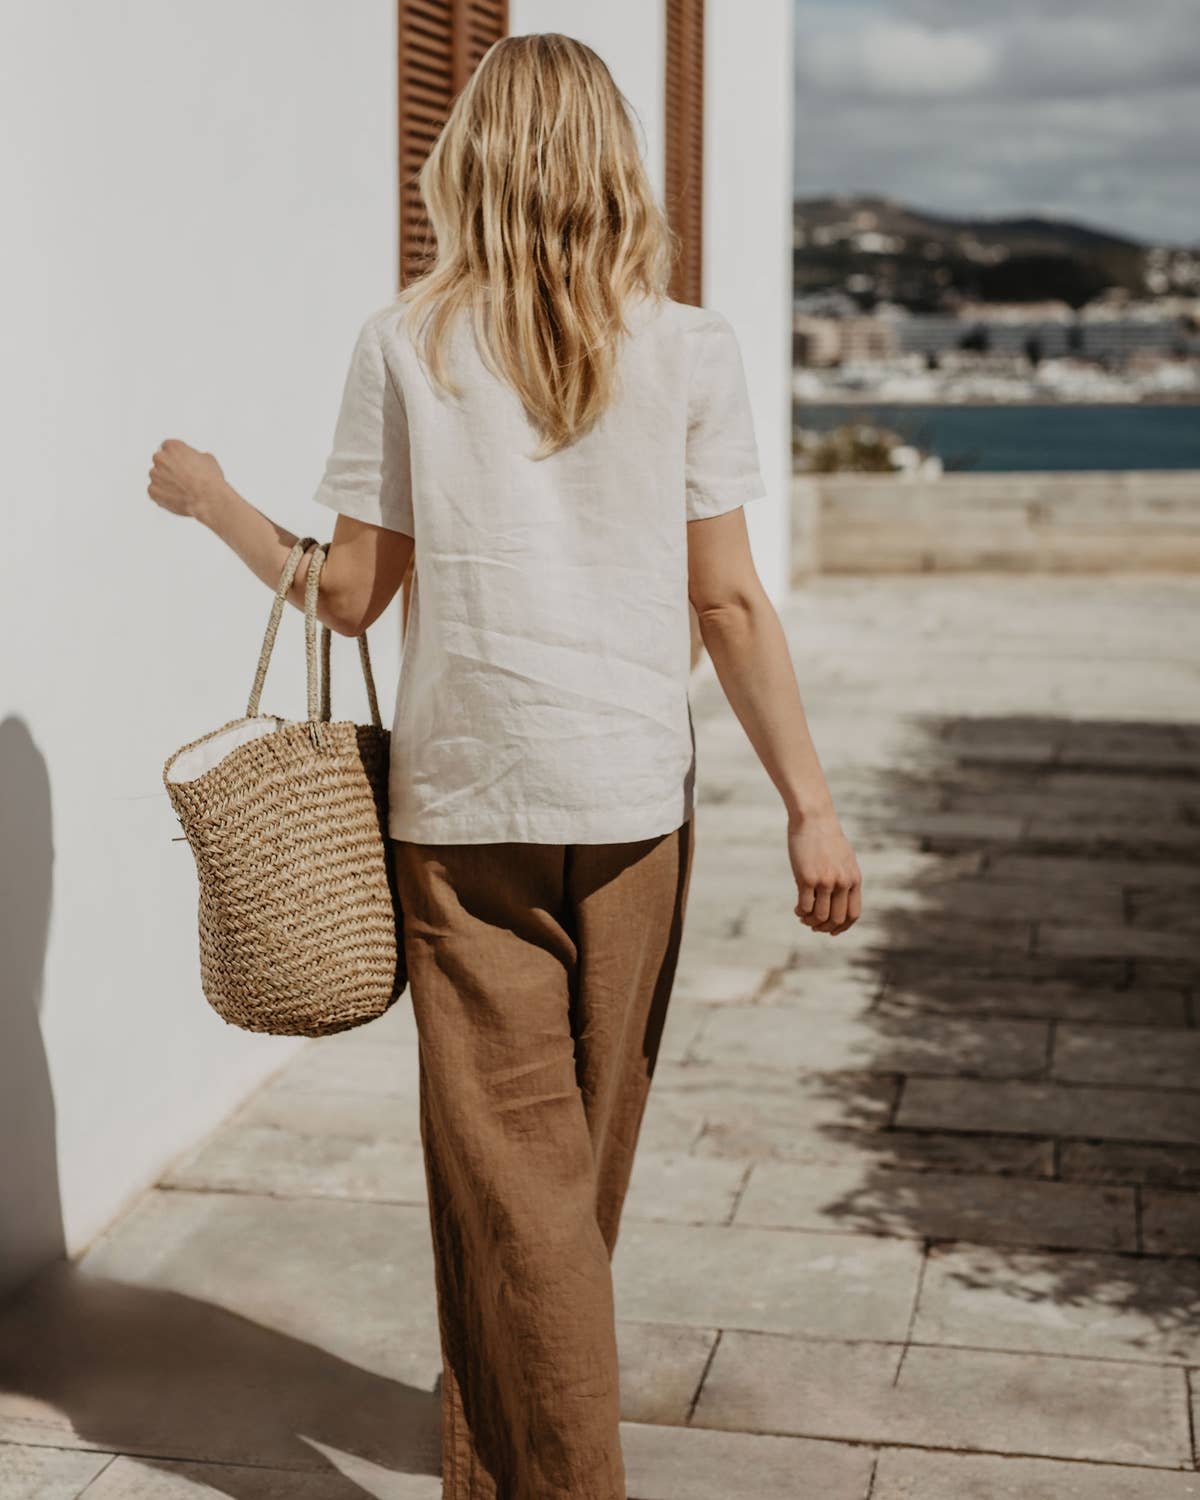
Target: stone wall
1047 523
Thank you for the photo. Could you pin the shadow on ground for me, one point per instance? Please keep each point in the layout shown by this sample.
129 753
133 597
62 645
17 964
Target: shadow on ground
1036 983
165 1377
131 1369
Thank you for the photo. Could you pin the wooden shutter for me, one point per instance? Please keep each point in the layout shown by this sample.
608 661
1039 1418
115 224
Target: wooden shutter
684 122
441 42
440 45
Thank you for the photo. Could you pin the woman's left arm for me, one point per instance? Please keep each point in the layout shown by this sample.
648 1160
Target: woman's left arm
365 566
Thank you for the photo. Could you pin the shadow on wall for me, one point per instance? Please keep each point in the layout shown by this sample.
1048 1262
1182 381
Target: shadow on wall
1036 980
31 1227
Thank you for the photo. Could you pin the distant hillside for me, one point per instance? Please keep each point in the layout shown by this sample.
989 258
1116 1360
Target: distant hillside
876 249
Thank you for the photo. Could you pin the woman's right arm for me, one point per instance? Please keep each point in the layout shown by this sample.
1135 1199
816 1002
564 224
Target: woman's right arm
744 637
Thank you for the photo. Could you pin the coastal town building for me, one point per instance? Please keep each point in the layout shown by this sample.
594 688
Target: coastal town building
835 341
1111 349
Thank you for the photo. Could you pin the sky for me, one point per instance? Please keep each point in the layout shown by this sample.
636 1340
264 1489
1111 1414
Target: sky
1081 109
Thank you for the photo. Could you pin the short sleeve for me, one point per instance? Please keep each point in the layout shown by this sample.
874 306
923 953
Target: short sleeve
722 464
368 474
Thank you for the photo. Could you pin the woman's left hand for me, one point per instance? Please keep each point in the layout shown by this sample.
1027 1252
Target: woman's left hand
183 480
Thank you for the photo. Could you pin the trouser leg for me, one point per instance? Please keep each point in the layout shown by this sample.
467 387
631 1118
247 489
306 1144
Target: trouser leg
629 902
530 1395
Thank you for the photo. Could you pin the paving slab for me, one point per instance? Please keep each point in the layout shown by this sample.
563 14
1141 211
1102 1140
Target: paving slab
681 1027
1106 1306
268 1259
716 983
1128 1056
931 1151
851 1145
245 1158
670 1124
840 1285
973 1399
775 949
1050 1109
661 1369
1119 941
1170 1222
1121 800
978 898
807 1035
1173 909
896 929
333 1112
940 1205
1166 973
819 958
1050 1000
682 1188
962 830
385 1071
1078 871
907 1474
850 988
941 973
346 1479
672 1463
799 1115
1117 1162
1066 833
901 871
28 1473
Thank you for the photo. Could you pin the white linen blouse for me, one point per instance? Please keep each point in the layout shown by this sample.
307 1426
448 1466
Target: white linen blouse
543 692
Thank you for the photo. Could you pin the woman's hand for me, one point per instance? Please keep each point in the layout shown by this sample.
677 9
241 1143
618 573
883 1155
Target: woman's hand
828 880
185 481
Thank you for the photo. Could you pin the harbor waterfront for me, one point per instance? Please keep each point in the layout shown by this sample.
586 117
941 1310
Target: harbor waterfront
1025 437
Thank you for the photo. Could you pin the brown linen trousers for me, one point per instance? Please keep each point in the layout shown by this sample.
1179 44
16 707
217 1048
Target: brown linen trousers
540 976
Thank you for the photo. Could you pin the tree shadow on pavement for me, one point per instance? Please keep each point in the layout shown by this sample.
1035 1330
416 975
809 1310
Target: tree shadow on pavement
1033 949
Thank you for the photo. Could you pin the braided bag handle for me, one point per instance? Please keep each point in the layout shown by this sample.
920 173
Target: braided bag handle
318 691
319 708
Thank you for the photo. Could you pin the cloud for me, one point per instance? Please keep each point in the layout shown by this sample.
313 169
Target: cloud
1085 108
895 57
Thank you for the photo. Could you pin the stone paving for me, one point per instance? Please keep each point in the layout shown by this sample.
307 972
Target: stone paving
916 1211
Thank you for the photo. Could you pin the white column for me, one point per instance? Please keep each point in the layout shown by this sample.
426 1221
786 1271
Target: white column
748 236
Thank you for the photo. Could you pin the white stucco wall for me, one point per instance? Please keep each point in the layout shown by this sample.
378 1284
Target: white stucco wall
747 196
199 210
748 237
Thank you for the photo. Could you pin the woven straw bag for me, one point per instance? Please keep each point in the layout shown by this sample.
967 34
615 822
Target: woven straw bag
300 929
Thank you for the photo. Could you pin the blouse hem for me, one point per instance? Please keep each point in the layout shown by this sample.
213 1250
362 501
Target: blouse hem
595 829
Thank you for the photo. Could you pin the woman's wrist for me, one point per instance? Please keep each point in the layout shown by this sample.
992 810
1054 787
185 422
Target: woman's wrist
213 502
813 808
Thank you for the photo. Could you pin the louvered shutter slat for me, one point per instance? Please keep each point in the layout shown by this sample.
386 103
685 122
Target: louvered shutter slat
683 90
440 44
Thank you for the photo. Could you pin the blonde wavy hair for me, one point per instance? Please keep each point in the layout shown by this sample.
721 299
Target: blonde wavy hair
546 225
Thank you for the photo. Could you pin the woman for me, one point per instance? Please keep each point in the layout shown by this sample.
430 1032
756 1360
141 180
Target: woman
565 452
